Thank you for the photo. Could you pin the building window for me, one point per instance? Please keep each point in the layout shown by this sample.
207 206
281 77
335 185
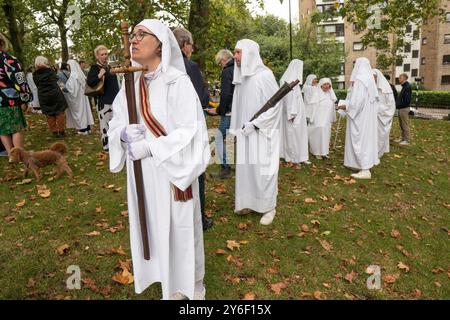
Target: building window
423 61
446 59
424 41
445 79
407 47
358 46
415 53
416 35
406 67
414 72
397 81
408 28
342 69
447 39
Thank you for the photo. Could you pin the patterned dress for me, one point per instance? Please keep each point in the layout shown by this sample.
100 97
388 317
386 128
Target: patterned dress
14 91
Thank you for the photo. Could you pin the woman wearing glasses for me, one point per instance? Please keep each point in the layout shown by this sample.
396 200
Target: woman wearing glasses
111 88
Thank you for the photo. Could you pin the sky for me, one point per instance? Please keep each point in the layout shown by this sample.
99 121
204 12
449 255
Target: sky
281 10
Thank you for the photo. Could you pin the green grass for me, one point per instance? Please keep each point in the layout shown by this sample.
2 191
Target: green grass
408 193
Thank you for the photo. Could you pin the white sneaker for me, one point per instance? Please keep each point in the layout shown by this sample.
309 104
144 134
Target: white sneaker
319 157
178 296
306 162
398 140
404 143
363 174
268 217
200 295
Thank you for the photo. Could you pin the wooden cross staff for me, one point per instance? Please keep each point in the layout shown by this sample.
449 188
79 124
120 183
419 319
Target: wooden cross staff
128 71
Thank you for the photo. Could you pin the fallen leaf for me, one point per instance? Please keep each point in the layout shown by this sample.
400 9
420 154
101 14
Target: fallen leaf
43 191
325 244
310 200
414 232
438 284
338 207
98 209
350 181
437 270
327 285
220 251
231 244
242 226
273 270
220 189
249 296
20 204
395 233
63 249
277 287
24 181
417 293
350 276
305 228
118 251
390 278
403 266
124 277
93 234
318 295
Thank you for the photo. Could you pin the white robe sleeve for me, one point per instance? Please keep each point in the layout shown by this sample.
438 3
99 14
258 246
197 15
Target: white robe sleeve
291 103
356 99
267 87
184 153
117 152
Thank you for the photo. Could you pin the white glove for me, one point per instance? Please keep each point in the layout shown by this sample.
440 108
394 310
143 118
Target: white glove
133 132
248 129
139 150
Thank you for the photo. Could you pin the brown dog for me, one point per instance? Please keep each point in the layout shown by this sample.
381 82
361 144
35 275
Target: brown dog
35 160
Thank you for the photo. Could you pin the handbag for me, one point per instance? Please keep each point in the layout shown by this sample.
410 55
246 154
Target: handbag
97 90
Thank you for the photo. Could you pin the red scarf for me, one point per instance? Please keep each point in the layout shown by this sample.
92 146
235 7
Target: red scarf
158 130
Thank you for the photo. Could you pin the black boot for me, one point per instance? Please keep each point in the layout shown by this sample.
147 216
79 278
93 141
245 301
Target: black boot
207 223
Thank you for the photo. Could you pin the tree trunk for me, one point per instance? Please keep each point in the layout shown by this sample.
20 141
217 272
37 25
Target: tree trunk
198 26
63 39
15 34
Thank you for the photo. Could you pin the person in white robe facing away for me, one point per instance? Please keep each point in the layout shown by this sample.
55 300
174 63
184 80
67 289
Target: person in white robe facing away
78 114
361 105
171 141
35 106
294 130
310 95
257 142
322 115
386 111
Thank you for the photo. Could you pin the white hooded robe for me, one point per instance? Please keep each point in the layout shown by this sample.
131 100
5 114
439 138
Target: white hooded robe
257 155
294 130
175 229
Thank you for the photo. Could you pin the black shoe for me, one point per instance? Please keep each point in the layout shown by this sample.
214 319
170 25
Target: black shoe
207 223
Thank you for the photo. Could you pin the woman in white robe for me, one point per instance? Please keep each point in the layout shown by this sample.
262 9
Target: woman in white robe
361 140
294 129
170 163
36 107
310 95
78 114
322 116
257 142
386 111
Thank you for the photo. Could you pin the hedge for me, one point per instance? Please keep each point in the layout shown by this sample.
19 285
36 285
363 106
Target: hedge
428 99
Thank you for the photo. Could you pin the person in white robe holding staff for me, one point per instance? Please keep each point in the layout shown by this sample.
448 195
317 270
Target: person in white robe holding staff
78 113
361 140
294 130
171 141
386 111
323 114
258 141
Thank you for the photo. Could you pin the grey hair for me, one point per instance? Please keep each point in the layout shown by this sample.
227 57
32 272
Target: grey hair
404 75
223 54
183 36
40 61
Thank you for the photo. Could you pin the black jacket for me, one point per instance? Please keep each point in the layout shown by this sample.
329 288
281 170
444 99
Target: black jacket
197 80
404 99
50 96
394 91
111 83
226 88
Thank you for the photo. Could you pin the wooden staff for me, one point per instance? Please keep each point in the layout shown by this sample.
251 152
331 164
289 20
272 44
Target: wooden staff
128 71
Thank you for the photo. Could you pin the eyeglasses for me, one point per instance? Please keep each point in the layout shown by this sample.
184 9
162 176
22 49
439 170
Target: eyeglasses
140 35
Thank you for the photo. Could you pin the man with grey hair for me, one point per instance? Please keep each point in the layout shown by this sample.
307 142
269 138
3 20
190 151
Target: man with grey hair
225 59
186 43
403 104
